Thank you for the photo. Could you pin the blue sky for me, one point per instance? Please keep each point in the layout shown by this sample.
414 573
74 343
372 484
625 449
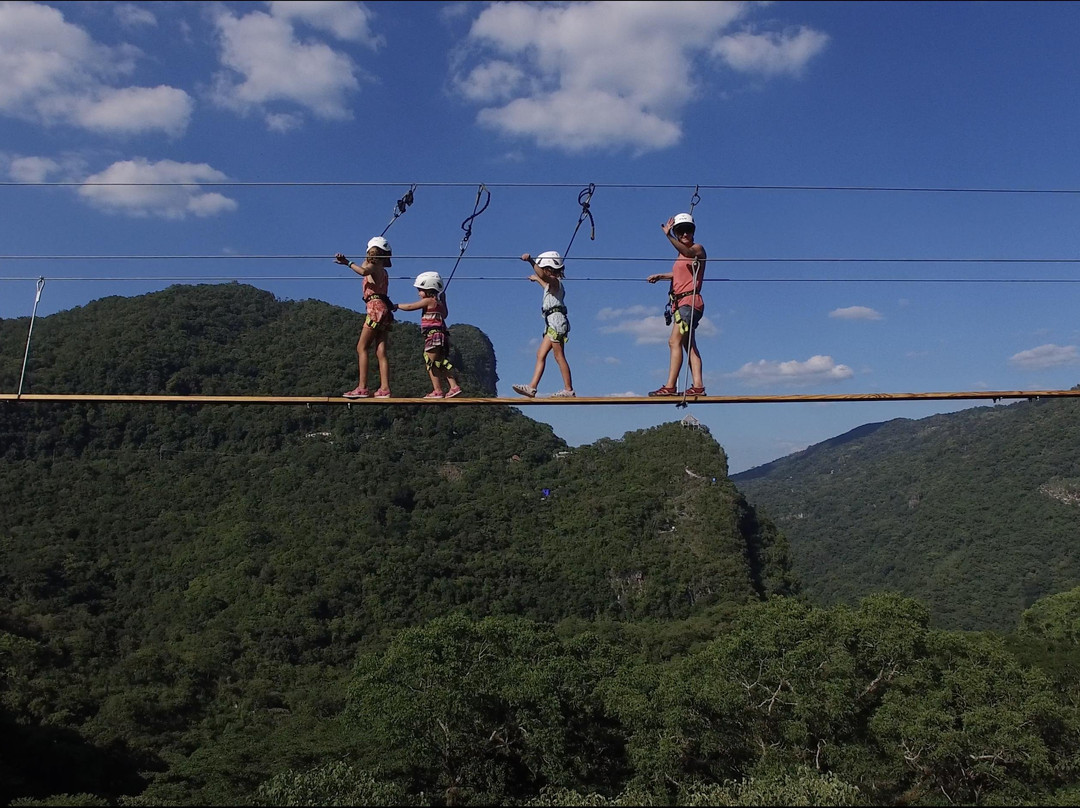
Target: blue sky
888 192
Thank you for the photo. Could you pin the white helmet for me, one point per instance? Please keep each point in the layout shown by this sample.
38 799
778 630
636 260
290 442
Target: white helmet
381 243
550 259
432 281
683 219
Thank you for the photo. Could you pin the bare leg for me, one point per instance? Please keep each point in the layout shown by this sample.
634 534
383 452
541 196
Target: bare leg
675 346
383 360
367 336
695 365
433 374
541 360
564 366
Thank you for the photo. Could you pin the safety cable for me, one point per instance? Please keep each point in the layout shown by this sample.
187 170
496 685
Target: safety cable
467 227
695 198
584 198
29 333
690 339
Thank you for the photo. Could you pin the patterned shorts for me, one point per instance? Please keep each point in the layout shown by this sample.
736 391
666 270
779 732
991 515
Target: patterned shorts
379 316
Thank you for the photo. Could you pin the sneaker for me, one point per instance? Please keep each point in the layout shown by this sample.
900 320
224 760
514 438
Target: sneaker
434 394
665 391
359 392
382 394
453 391
564 394
525 390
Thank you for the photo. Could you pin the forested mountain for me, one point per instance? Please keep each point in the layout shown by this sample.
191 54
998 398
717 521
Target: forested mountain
975 513
184 588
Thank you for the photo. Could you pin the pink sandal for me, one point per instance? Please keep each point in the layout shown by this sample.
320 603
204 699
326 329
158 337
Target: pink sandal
359 392
435 394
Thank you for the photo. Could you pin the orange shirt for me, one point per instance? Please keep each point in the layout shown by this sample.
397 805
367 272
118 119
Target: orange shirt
682 280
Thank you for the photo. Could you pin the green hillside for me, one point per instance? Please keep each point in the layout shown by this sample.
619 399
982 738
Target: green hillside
176 568
432 604
975 513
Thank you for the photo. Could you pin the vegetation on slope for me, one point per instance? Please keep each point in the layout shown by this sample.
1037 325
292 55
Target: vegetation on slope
973 512
183 588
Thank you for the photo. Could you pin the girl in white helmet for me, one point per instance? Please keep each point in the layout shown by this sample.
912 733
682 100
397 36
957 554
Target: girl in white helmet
548 272
432 304
380 317
686 304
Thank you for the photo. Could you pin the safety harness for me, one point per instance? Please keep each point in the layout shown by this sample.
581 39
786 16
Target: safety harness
434 321
671 311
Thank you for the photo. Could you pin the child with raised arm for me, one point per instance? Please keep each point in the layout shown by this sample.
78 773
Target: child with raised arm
432 304
548 272
376 329
685 302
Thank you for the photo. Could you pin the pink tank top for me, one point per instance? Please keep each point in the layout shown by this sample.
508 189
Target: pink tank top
682 280
434 318
376 284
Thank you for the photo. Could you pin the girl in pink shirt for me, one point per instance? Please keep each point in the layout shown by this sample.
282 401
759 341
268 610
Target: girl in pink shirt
687 306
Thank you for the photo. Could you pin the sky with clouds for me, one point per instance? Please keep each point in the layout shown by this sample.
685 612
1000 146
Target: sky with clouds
887 191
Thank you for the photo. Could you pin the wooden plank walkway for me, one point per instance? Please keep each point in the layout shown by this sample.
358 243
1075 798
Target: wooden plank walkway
519 401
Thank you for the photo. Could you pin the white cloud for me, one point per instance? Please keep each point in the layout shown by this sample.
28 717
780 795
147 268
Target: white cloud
267 64
645 326
130 15
770 53
816 369
855 313
1045 356
496 80
32 169
54 73
608 313
576 76
283 121
348 21
137 109
166 189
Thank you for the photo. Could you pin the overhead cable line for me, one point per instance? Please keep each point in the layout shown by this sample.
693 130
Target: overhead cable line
620 258
629 279
631 186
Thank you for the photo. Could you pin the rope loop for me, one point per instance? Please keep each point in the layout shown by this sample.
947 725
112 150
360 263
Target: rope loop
467 227
695 198
477 210
584 198
399 207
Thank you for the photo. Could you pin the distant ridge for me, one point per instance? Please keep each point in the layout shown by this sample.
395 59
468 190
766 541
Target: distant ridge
968 511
